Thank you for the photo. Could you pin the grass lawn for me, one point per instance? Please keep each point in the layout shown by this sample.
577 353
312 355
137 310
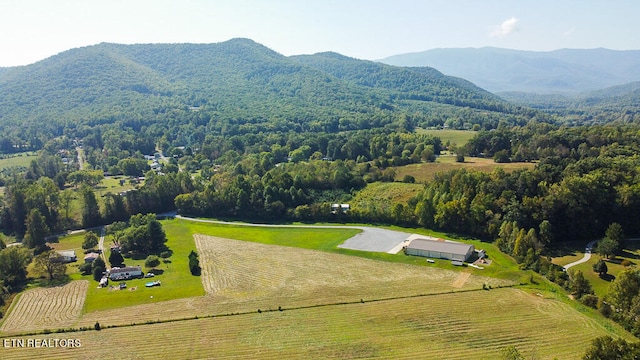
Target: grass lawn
177 281
458 137
566 252
72 242
631 253
424 172
112 184
17 160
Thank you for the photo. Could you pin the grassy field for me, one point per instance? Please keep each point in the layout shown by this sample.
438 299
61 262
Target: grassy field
631 253
473 325
112 185
46 308
333 305
425 171
383 195
457 137
17 160
574 251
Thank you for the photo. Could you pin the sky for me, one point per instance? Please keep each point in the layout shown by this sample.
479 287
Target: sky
32 30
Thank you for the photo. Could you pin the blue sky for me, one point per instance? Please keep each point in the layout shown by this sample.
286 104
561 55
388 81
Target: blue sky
31 30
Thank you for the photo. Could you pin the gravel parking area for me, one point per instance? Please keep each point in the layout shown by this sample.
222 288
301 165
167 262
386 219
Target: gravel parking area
378 240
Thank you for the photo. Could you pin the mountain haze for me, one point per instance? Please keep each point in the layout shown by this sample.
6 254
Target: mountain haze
561 71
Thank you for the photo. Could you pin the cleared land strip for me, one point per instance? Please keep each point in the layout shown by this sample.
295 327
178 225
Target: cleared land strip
370 239
472 325
47 308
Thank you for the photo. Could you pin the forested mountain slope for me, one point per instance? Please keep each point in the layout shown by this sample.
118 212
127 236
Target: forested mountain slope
237 86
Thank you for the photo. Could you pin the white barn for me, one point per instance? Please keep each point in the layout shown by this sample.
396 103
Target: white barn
439 249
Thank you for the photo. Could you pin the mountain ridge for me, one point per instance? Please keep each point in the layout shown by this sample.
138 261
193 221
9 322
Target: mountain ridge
558 71
237 81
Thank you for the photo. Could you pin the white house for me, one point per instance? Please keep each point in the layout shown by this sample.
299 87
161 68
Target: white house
125 273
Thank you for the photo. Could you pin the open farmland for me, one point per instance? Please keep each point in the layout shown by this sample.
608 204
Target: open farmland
467 325
21 160
457 137
47 308
243 276
426 171
241 269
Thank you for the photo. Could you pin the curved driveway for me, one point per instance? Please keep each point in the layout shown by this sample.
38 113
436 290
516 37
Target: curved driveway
585 258
370 239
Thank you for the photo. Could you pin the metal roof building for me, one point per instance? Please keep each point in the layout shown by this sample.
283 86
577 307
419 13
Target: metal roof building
439 249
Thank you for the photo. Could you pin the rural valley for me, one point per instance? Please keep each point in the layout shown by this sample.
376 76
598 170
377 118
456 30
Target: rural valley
226 201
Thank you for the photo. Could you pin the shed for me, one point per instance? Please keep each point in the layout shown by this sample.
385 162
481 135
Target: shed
443 249
68 255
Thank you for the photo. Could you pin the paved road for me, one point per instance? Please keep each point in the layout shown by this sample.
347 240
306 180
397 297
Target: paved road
585 258
370 239
80 152
101 247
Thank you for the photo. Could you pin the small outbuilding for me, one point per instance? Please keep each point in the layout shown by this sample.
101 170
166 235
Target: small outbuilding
68 256
439 249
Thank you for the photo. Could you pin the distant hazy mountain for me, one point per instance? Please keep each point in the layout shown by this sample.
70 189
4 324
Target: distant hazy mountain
620 98
560 71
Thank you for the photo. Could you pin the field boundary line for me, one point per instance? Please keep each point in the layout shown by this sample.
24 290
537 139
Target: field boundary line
14 301
258 311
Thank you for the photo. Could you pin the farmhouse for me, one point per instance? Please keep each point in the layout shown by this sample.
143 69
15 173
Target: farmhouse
125 273
68 255
439 249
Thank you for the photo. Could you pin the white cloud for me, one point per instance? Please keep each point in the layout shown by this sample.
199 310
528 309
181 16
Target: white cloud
507 27
569 32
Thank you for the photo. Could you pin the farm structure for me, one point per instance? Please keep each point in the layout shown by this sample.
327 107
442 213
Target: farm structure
439 249
126 273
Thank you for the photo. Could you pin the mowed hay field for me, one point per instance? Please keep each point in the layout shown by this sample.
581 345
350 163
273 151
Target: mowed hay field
426 171
47 308
468 325
241 276
285 276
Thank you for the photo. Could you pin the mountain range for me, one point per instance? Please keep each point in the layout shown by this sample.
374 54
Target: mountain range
238 81
565 71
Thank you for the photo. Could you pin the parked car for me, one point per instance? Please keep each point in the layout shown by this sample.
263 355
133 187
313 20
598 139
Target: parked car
150 275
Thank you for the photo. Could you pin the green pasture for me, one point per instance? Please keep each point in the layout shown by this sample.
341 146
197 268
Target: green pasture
424 172
17 160
458 137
